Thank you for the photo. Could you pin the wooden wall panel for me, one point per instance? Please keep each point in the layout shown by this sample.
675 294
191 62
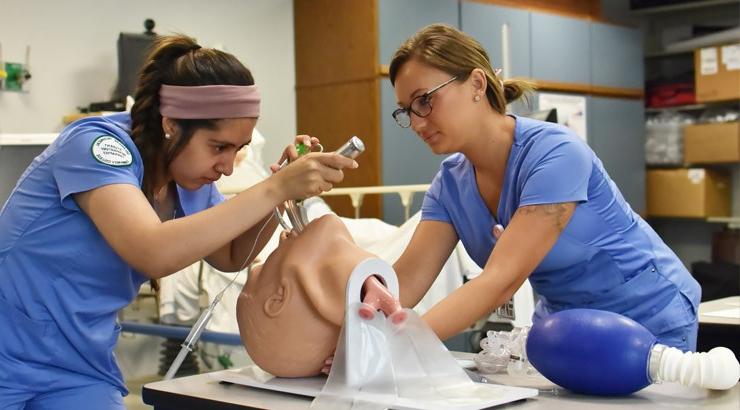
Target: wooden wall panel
335 41
335 112
588 9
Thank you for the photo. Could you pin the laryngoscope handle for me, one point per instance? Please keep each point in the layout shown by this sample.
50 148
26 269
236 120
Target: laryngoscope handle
351 149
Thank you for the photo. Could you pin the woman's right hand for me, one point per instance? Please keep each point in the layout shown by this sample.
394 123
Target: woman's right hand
310 175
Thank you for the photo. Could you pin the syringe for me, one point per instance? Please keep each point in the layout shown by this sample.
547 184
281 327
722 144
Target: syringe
193 337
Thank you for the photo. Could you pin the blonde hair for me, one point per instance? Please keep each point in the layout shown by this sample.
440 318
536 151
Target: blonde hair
448 49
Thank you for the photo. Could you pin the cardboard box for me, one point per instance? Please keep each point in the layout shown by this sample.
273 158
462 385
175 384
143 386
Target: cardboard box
717 73
688 192
711 143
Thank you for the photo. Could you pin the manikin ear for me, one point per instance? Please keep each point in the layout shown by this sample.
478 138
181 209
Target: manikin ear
326 296
275 302
478 81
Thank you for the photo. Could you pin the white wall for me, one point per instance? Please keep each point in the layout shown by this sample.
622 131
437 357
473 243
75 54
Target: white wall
74 57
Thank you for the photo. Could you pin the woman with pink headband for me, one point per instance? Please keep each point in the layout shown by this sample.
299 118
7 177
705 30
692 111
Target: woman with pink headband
126 198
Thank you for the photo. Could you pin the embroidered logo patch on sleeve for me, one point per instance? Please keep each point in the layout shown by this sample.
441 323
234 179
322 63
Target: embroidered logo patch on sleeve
110 151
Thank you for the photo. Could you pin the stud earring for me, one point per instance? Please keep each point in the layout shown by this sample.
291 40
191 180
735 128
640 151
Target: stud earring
476 98
167 136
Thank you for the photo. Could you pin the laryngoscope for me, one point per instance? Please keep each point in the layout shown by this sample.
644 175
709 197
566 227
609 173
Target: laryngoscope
298 217
296 212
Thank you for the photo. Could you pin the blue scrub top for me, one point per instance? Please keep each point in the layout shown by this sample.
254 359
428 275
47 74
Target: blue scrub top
607 257
61 284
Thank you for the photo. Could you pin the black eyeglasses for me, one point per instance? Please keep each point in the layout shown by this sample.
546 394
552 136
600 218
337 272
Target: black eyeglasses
421 105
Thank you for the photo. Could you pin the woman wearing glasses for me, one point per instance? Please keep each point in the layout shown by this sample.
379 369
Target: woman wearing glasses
567 227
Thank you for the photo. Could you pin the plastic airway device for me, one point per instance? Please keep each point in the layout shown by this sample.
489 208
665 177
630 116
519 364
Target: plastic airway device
377 297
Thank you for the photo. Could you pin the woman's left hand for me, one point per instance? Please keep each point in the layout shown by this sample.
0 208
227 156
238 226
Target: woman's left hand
290 152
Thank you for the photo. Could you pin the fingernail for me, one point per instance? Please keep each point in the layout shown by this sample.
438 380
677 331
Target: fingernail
329 360
325 370
355 164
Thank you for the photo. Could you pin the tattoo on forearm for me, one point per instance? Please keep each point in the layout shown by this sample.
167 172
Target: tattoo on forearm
556 213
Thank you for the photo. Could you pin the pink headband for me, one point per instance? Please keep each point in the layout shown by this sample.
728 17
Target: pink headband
209 101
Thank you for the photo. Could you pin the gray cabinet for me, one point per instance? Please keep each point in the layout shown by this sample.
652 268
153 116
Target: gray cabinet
555 48
400 19
616 56
486 24
561 49
616 132
405 158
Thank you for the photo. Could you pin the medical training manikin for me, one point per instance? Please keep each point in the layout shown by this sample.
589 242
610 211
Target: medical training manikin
291 309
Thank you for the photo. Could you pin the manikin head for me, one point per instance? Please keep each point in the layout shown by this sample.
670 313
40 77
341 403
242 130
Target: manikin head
291 309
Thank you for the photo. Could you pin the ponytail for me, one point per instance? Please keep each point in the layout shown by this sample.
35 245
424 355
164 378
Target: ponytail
146 122
516 89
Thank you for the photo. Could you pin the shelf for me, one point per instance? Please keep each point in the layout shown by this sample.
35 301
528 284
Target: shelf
690 107
685 6
70 118
27 139
573 88
671 53
693 107
733 222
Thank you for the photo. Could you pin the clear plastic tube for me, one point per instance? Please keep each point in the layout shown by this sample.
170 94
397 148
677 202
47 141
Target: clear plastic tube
193 337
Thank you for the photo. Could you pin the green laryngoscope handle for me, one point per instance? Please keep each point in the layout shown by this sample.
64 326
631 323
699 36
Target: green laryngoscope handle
302 149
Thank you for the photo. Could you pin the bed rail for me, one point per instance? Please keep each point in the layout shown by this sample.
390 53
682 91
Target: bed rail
357 194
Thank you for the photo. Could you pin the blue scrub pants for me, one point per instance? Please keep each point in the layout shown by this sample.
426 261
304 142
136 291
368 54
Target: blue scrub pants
99 396
683 338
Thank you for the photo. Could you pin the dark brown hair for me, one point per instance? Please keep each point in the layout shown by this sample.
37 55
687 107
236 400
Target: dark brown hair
176 60
456 53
